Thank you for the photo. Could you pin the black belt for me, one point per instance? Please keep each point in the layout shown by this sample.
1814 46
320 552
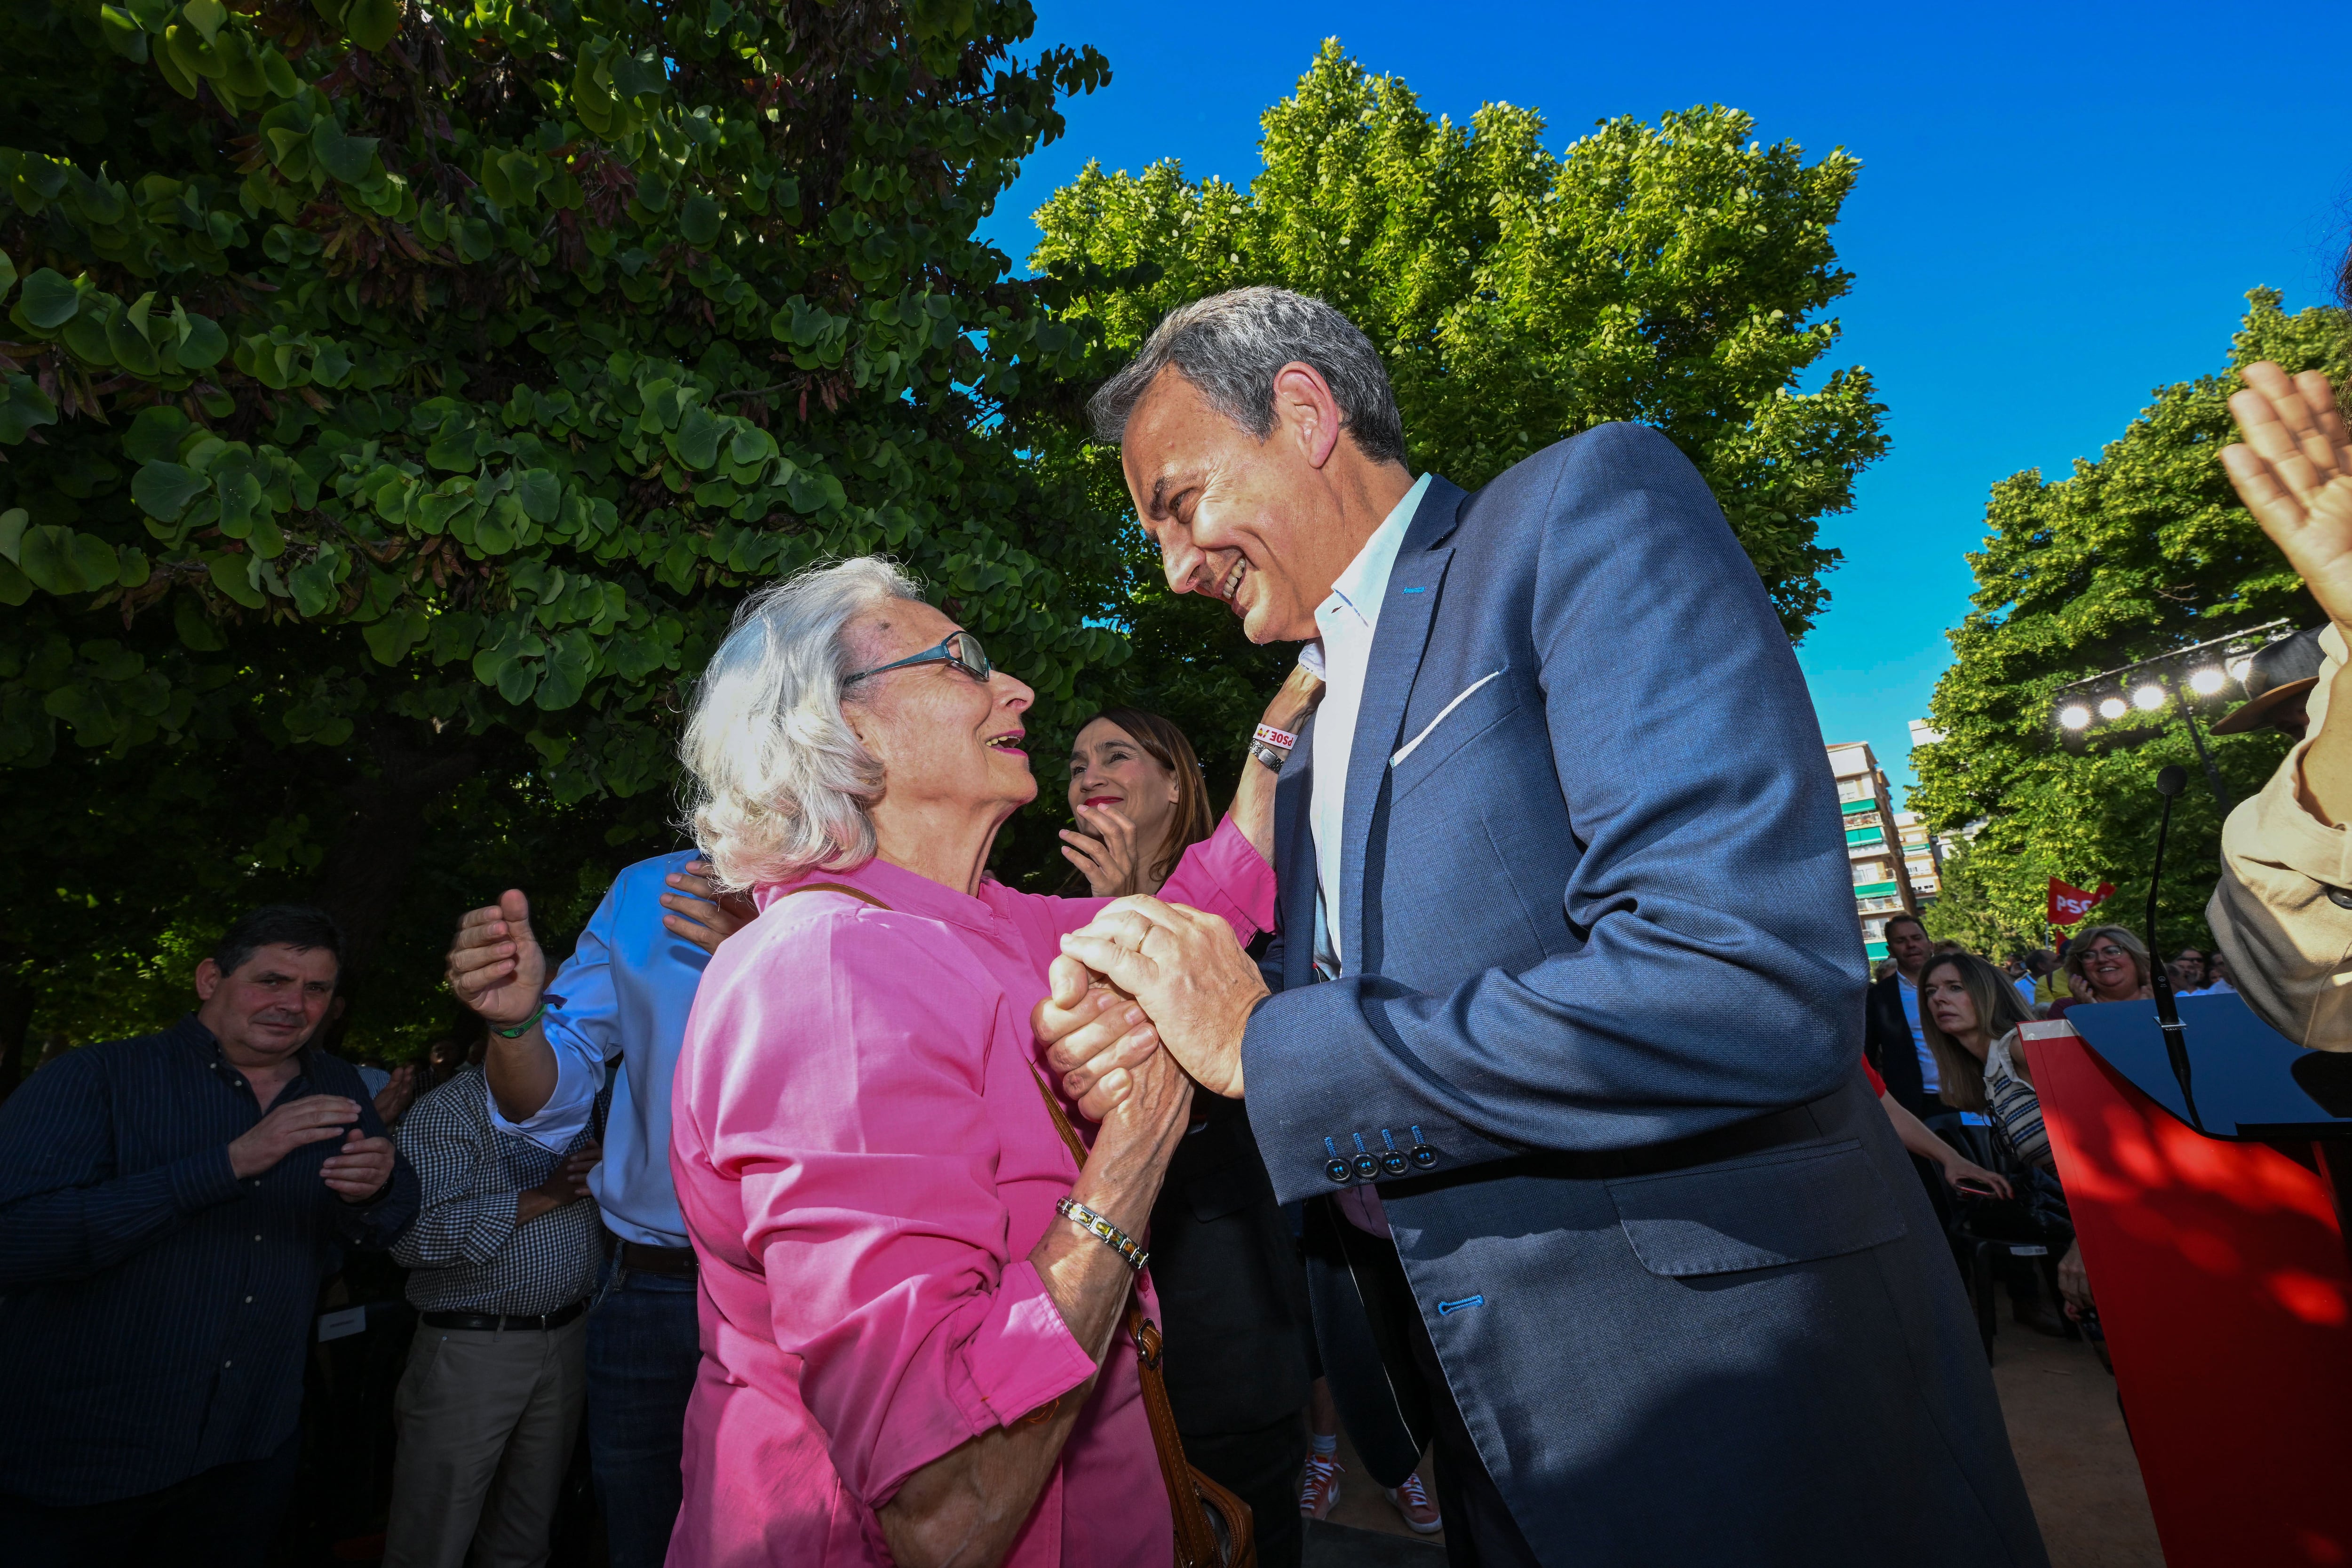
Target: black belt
491 1323
674 1262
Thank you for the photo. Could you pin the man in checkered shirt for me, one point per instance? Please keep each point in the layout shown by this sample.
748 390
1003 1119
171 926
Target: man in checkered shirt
505 1256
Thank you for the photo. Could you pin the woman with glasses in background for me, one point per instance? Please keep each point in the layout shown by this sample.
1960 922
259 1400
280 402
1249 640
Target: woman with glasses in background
2104 963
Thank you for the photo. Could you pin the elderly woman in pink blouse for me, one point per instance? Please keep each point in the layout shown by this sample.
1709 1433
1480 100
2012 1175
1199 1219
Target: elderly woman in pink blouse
909 1355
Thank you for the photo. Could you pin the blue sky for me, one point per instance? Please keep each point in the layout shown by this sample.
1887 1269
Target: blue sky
2061 207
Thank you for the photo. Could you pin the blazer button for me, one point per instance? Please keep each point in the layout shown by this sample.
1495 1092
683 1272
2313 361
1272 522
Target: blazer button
1423 1155
1338 1170
1392 1162
1367 1167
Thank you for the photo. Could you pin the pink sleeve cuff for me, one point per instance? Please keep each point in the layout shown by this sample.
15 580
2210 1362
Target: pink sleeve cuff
1225 875
1023 1356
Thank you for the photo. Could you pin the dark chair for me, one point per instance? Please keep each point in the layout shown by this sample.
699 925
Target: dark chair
1984 1231
1978 1255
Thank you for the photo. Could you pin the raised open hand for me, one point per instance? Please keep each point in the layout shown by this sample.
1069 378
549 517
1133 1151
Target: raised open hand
496 965
1188 974
2294 471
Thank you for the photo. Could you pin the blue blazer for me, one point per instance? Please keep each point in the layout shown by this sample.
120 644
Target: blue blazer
1597 1038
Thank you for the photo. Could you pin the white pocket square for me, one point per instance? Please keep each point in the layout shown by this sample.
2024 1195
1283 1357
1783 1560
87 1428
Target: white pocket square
1406 750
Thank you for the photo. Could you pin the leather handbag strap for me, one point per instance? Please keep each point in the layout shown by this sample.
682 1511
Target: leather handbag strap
1196 1539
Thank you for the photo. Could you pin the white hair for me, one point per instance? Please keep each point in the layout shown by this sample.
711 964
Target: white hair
782 785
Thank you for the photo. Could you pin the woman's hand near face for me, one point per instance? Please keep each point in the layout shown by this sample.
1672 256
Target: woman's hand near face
1103 850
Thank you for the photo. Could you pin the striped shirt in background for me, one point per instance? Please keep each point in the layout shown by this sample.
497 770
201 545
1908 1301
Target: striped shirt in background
2016 1108
465 1251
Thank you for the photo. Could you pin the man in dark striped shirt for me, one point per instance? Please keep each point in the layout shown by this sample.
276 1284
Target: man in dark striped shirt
169 1208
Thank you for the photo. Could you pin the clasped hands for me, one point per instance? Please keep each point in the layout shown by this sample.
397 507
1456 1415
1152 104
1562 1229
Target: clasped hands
1140 977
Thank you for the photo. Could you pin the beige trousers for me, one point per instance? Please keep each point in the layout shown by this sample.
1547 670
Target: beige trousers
486 1423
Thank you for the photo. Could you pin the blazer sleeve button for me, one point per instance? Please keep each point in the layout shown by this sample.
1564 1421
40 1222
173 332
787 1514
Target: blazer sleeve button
1367 1167
1338 1170
1423 1155
1393 1163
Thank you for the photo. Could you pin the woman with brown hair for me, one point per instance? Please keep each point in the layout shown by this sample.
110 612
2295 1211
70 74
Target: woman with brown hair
1970 1014
2104 963
1140 799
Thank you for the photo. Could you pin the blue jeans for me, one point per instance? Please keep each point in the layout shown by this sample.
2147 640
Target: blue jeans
643 1348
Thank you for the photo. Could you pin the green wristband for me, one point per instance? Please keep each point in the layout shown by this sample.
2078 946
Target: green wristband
519 1030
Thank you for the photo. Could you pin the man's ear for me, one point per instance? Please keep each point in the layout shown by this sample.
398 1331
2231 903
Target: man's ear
1303 407
208 980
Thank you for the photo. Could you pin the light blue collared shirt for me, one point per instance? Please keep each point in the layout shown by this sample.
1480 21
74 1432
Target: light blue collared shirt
622 995
1346 620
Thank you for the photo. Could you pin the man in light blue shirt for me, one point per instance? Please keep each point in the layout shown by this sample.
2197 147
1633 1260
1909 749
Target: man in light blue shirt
622 998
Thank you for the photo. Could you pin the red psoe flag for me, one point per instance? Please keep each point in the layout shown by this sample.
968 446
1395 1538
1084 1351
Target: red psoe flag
2070 904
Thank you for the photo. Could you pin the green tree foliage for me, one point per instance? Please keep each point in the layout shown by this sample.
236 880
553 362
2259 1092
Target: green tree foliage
2143 551
400 394
1674 274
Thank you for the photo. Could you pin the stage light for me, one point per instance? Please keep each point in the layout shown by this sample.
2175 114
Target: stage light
2148 698
2074 716
2206 682
2113 708
2238 668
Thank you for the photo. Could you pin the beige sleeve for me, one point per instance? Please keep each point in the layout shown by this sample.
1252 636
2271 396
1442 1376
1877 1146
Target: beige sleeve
2275 914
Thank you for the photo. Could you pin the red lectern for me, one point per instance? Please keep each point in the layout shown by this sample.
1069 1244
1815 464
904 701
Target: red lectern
2216 1252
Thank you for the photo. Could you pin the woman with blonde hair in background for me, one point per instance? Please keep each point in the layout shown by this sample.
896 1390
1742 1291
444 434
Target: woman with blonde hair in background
1970 1014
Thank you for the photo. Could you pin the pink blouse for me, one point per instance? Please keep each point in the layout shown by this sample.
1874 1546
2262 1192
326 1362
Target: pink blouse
864 1163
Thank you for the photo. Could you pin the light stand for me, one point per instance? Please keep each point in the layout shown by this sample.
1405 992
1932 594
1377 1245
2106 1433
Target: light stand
2169 783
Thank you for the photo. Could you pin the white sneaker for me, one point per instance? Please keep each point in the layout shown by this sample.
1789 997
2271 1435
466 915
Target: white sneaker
1320 1488
1414 1506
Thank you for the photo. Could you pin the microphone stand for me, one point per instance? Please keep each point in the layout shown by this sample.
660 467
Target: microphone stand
2168 1010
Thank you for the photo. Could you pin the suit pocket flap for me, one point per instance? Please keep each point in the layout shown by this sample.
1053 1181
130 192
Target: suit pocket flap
1790 1206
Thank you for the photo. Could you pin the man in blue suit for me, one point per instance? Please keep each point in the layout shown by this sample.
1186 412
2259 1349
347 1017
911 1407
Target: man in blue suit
1568 973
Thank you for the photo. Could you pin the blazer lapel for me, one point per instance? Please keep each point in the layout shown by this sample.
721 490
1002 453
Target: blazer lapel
1397 646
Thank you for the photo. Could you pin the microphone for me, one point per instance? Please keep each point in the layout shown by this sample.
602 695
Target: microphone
2169 783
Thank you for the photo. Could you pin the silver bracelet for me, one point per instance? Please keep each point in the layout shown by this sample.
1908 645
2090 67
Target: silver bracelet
1102 1230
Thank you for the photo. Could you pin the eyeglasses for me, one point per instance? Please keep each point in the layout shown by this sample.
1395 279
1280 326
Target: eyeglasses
960 651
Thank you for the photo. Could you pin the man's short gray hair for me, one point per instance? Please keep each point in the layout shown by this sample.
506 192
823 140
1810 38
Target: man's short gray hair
781 784
1232 345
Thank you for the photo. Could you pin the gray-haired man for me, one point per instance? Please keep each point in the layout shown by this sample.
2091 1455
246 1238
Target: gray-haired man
1568 971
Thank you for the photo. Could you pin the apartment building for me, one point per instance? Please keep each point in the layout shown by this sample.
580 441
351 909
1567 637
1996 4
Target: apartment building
1874 844
1923 857
1923 853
